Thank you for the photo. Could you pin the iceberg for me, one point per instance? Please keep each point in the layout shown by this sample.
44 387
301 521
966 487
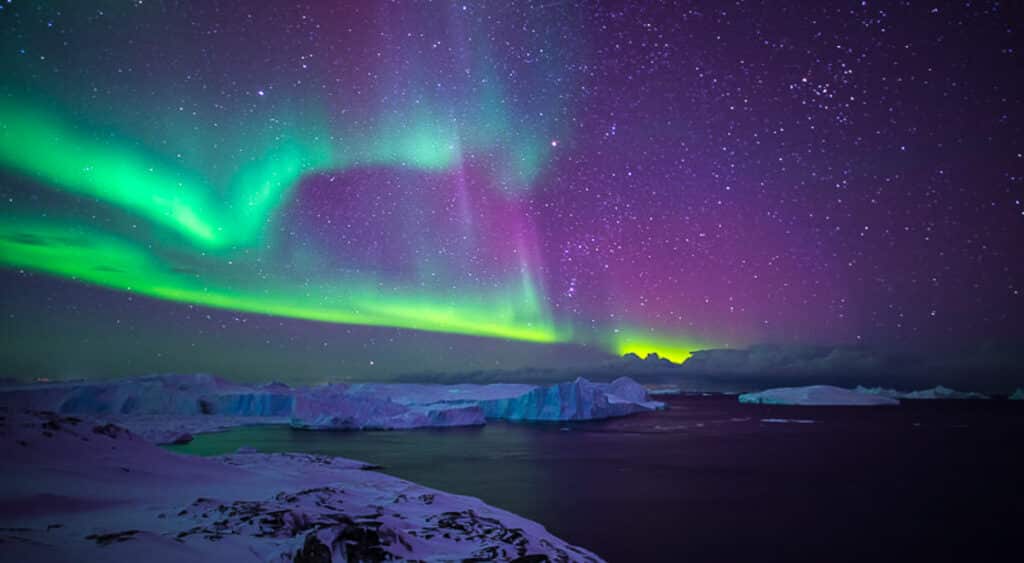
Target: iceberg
938 392
576 400
1018 395
171 407
789 421
335 407
459 405
823 395
623 388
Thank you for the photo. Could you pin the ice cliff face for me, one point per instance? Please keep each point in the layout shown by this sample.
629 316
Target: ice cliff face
577 400
816 395
625 388
336 406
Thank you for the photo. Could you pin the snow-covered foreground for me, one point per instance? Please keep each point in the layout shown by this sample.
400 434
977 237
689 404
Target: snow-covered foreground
824 395
77 489
82 479
169 408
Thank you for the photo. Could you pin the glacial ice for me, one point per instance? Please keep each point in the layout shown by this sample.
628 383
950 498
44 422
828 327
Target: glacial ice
789 421
1018 395
163 407
664 390
824 395
336 407
576 400
938 392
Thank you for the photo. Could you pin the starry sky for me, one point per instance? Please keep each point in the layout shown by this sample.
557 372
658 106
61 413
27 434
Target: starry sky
303 189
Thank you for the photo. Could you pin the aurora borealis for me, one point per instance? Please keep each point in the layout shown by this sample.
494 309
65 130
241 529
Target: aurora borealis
619 177
465 156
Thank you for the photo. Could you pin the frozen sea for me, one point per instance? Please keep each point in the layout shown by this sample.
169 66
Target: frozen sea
710 479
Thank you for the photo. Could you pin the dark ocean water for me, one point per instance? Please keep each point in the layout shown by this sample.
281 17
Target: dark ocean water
713 480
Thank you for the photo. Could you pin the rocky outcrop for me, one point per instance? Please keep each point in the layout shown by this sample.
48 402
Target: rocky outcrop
92 491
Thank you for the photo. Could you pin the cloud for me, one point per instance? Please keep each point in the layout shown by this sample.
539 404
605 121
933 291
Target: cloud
793 360
992 369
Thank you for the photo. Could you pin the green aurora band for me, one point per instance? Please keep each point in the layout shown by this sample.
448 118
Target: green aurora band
41 146
80 254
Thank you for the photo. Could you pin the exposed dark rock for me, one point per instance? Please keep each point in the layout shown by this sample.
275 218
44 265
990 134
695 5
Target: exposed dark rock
107 539
362 543
183 438
109 430
313 551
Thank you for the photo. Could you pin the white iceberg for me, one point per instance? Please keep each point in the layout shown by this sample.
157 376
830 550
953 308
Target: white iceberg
336 407
167 408
577 400
818 395
938 392
789 421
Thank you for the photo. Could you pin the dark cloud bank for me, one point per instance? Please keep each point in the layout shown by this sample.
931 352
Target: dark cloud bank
994 369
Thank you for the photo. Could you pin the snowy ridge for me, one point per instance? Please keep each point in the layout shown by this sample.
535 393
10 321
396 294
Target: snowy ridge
77 489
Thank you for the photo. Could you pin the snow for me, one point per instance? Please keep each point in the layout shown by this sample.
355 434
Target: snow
829 395
79 489
938 392
1018 395
789 420
816 395
576 400
666 390
167 408
178 429
334 407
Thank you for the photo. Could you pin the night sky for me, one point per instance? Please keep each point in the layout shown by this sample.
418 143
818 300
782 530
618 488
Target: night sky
306 189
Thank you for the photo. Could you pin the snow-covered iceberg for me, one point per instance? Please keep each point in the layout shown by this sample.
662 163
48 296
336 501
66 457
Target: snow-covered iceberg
413 405
789 421
576 400
823 395
169 407
938 392
337 407
78 489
